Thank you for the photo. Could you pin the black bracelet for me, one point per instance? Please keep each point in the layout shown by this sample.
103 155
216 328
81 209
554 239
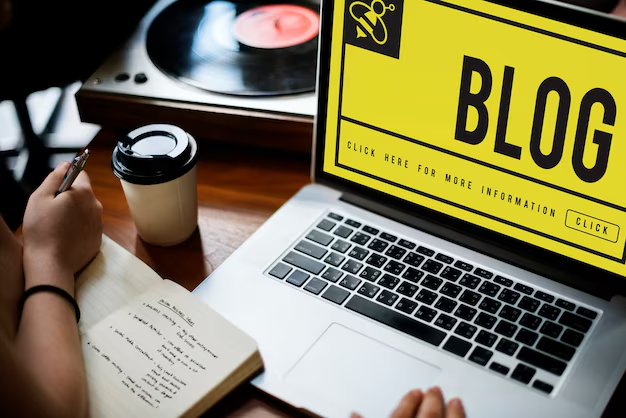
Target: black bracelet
53 289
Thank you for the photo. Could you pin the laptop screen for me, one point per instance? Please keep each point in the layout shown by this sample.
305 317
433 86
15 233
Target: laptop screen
505 119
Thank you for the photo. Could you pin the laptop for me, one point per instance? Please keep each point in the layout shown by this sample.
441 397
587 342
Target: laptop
465 226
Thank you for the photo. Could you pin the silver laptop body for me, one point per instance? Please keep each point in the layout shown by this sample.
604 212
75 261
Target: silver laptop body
355 297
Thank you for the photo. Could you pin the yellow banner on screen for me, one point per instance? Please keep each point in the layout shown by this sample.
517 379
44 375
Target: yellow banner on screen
501 118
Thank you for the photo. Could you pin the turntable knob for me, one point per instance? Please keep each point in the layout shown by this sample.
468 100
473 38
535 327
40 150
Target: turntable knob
140 78
122 77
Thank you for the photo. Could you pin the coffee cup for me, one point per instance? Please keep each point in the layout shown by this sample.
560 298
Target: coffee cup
156 165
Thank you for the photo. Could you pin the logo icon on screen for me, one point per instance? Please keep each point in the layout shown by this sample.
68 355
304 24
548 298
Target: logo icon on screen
374 26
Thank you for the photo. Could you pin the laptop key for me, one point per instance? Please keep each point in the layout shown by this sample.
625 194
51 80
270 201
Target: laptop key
360 238
326 225
557 349
370 230
305 263
542 361
396 320
489 289
544 296
469 297
485 320
370 273
463 265
387 297
431 282
319 237
352 266
311 249
486 338
444 258
369 290
523 288
280 271
349 282
553 330
490 305
406 305
378 245
432 266
509 296
530 321
376 260
407 289
457 346
523 373
395 252
425 313
297 278
507 347
358 252
586 312
353 223
483 273
343 231
315 286
469 281
335 216
505 328
450 273
426 251
510 313
565 304
465 312
334 259
388 237
465 330
394 267
503 281
499 368
528 304
445 304
526 337
341 246
406 244
414 259
389 281
444 321
543 386
549 311
413 275
336 294
332 275
450 289
426 296
571 337
480 356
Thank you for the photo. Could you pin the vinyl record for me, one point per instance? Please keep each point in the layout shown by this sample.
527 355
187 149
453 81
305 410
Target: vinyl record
238 47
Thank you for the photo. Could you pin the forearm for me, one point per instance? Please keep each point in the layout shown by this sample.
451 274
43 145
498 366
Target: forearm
48 340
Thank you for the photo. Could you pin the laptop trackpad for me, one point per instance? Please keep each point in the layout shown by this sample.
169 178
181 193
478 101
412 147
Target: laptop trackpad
359 372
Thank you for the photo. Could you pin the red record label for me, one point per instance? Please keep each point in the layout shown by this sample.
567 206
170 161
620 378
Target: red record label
276 26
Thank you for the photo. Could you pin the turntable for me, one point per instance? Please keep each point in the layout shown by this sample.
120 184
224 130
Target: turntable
227 70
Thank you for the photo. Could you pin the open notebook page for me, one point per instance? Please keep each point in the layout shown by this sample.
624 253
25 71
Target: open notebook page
162 353
110 281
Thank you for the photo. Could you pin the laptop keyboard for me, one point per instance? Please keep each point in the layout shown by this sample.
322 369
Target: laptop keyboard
496 322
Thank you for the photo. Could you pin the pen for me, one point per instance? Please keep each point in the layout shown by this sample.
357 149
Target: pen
76 166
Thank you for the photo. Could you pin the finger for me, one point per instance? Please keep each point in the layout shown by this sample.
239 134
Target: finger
407 408
432 405
355 415
52 183
455 409
82 181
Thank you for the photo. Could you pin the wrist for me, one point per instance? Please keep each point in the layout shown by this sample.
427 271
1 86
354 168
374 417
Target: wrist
47 269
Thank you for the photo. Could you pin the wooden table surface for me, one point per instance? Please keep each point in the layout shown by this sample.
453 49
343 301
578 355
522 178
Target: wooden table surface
238 189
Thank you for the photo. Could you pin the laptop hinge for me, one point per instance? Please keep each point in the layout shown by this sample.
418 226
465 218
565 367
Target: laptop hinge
563 270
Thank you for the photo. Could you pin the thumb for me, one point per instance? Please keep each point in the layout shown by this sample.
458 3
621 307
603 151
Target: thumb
52 183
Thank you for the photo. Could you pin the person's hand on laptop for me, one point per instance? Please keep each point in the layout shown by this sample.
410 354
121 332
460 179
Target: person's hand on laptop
417 404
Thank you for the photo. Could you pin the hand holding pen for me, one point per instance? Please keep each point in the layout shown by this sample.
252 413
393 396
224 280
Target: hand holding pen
76 166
